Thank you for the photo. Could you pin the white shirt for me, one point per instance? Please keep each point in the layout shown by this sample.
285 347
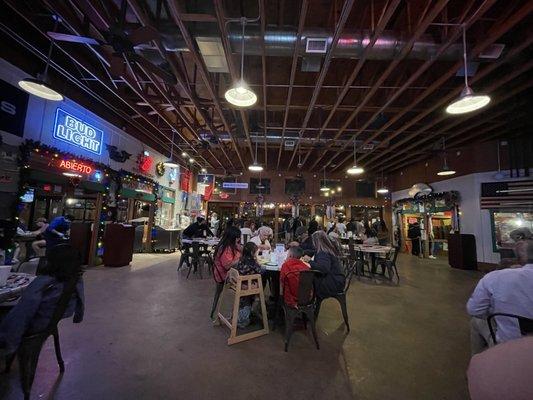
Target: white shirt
504 291
246 231
341 228
257 241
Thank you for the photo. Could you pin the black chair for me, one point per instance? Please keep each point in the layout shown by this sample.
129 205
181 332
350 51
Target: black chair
525 324
388 265
30 348
341 296
305 306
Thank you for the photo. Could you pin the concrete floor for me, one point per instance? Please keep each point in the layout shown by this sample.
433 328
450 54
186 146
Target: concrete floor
147 335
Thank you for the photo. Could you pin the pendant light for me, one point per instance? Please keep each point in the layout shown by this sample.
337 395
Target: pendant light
170 162
467 101
354 169
41 87
240 94
445 171
382 189
255 166
324 187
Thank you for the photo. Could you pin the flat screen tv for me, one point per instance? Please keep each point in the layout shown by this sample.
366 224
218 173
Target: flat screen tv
259 186
294 186
365 189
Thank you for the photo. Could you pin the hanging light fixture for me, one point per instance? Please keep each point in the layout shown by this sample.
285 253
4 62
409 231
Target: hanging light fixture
445 169
354 169
383 189
41 87
324 187
170 162
240 94
467 101
255 166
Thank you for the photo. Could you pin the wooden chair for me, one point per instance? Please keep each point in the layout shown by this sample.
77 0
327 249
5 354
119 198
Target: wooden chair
388 265
242 286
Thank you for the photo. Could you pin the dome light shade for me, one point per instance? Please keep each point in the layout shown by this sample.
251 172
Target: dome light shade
446 170
355 170
255 167
40 88
383 190
241 95
171 164
324 189
467 102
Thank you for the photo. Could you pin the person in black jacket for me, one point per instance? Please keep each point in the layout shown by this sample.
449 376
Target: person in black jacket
198 229
414 234
327 261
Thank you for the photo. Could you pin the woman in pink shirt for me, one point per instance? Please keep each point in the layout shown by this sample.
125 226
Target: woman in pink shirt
227 255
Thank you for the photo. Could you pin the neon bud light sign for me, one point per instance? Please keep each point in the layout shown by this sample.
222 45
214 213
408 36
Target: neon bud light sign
74 131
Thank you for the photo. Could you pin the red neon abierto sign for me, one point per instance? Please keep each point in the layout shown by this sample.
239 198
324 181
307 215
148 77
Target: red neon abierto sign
75 166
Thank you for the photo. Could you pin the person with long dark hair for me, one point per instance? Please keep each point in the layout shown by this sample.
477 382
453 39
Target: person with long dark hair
327 260
247 265
35 309
228 253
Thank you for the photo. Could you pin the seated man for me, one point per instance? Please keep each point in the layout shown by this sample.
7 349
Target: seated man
33 312
503 291
290 281
57 231
198 229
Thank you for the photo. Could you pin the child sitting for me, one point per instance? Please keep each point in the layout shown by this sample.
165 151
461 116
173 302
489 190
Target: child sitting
247 265
289 280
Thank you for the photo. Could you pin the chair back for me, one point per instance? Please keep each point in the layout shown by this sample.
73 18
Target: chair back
306 293
30 266
525 324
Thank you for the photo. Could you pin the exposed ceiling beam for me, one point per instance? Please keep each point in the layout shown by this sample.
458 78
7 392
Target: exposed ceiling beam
294 63
173 62
495 32
235 75
339 27
422 26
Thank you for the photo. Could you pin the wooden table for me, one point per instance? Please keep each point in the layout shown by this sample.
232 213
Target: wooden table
16 283
372 249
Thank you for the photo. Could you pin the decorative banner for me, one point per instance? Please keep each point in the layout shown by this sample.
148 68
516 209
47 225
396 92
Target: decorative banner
185 181
13 105
235 185
260 203
76 132
145 161
160 169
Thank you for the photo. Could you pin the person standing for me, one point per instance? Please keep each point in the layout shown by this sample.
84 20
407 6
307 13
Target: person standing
414 234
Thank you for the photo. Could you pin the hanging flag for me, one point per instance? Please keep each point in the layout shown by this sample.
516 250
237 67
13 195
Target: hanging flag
206 185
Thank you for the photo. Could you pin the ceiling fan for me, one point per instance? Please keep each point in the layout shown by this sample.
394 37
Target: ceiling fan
123 45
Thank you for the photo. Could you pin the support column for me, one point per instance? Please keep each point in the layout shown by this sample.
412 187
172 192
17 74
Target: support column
95 227
276 223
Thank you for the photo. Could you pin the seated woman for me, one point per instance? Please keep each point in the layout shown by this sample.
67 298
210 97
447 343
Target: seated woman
228 253
35 309
247 265
327 260
261 240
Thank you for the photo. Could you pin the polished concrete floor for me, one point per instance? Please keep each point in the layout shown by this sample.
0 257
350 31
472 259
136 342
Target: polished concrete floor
147 335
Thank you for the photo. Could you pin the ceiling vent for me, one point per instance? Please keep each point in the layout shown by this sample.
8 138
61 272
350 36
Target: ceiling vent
316 45
213 53
368 147
289 144
492 52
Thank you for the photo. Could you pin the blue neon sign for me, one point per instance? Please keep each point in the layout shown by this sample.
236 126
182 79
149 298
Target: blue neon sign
76 132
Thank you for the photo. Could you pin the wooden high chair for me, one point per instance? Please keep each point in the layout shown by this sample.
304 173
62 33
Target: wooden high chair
242 286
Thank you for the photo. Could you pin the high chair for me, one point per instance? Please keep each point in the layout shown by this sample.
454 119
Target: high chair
242 286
